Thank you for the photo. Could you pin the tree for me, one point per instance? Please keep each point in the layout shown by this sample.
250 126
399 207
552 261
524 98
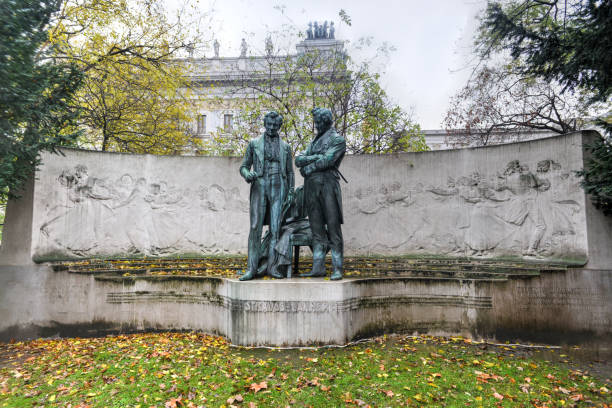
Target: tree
500 104
133 98
35 92
567 41
597 174
294 84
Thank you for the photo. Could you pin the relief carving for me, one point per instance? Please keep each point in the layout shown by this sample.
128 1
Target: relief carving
131 215
513 211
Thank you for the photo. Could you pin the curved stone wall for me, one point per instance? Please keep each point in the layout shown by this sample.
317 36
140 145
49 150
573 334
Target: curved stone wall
517 200
521 200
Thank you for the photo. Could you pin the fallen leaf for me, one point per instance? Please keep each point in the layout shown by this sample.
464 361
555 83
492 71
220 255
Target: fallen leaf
257 387
172 402
577 397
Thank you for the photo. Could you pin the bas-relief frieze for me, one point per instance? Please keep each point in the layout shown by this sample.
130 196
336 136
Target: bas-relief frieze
521 209
517 210
136 215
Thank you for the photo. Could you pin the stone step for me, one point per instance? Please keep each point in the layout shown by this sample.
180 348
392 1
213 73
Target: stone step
365 270
349 261
355 267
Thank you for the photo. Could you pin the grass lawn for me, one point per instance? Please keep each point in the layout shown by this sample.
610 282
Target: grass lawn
192 370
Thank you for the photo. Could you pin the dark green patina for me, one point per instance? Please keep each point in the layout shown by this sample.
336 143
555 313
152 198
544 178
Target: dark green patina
267 166
322 195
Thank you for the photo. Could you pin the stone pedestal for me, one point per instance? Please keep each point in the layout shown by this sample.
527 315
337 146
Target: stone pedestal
573 306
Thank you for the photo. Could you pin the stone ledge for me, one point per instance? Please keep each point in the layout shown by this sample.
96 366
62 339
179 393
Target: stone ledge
573 303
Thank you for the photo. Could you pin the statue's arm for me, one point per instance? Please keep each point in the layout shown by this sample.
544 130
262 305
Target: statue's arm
247 162
306 158
290 174
336 150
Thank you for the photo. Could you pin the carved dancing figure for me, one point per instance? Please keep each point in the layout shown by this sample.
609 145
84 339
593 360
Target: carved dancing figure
332 31
317 31
272 181
325 29
322 195
527 187
309 35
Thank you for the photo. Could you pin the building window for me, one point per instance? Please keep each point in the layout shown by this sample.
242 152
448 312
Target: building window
228 120
201 124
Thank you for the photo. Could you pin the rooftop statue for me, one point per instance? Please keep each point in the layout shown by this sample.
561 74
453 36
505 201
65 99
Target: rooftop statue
243 48
216 47
269 45
309 33
321 31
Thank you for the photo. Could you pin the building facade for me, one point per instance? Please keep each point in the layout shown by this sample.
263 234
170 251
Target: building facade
220 84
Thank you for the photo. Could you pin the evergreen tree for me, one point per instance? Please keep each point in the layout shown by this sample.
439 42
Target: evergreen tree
569 41
35 92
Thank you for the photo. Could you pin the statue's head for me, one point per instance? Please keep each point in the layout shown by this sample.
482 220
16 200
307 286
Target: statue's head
322 119
273 122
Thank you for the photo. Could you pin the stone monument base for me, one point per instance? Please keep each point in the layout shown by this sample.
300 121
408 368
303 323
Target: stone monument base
568 306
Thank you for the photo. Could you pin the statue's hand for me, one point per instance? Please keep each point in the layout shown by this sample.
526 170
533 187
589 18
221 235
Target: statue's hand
251 176
308 170
301 161
316 157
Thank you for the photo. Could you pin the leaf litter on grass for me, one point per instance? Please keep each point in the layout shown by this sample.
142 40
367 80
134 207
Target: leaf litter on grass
197 370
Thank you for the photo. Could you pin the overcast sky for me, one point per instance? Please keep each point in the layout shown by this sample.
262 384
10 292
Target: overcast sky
431 37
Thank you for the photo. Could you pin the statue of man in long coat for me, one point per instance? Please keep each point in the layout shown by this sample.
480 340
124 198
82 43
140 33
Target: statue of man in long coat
322 195
272 180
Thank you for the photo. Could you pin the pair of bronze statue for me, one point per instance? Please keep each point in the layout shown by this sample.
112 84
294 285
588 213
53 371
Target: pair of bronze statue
267 165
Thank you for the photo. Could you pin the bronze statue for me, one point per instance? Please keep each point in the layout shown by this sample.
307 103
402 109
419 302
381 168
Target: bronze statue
322 195
272 183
